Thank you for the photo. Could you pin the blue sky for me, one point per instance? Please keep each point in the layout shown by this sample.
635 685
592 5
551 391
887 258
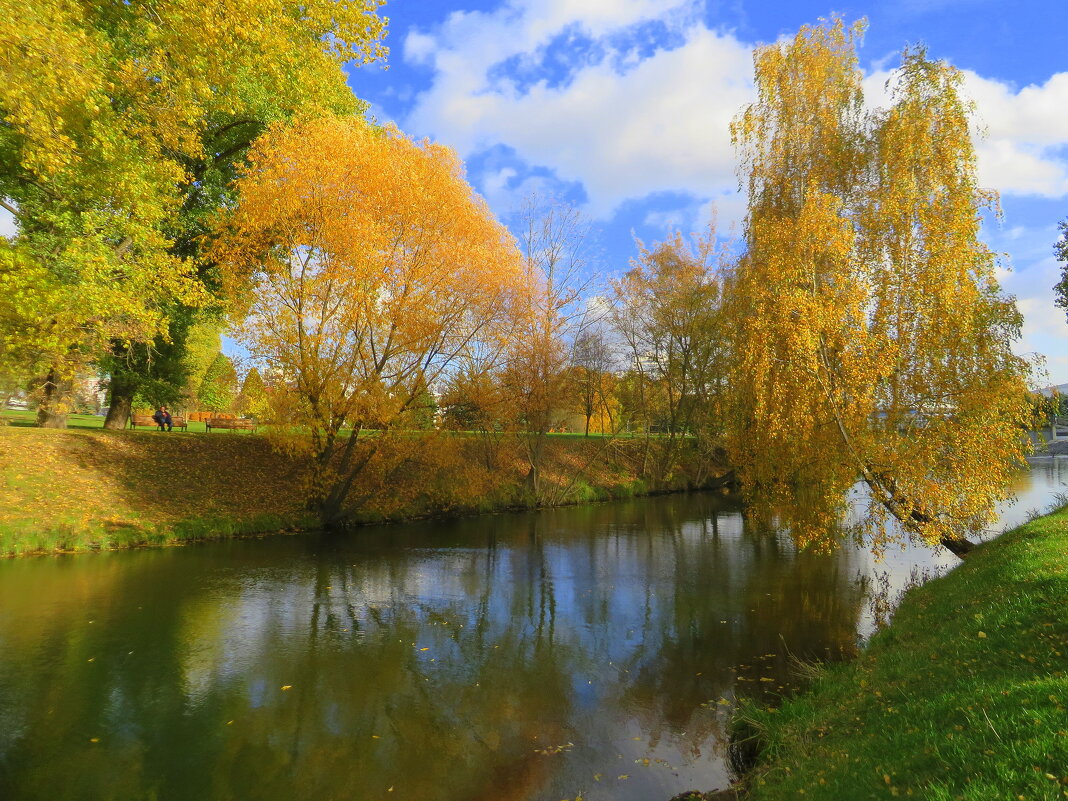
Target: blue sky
622 107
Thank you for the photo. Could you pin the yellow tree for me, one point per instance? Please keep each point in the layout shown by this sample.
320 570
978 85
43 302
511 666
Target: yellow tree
374 268
122 124
668 311
872 339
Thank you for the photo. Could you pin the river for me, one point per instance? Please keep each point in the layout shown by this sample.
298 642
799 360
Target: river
588 651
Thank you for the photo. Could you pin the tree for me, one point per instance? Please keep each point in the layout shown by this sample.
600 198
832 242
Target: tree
123 125
594 380
252 401
668 312
218 387
540 355
373 269
1060 250
873 337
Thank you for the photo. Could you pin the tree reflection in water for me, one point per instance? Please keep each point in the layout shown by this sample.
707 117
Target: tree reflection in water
504 657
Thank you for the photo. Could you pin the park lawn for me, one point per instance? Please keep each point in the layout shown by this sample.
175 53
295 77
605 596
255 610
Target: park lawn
28 419
963 696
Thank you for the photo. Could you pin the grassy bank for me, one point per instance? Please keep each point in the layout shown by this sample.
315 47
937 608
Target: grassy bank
963 696
86 488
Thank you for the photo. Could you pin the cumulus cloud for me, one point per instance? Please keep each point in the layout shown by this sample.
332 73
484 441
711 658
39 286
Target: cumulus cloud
626 121
622 125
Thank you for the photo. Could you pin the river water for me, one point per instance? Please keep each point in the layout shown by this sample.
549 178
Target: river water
592 650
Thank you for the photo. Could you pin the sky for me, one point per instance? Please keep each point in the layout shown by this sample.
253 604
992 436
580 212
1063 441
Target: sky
622 107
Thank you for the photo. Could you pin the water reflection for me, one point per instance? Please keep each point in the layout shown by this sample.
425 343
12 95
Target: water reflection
509 657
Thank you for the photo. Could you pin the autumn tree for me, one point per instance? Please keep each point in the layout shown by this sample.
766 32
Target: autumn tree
374 268
873 338
594 378
123 124
553 239
252 400
667 309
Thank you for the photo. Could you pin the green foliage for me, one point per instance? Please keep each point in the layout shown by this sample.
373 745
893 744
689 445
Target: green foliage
218 388
252 400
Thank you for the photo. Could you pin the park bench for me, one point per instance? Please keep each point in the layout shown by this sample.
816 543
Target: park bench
231 423
147 421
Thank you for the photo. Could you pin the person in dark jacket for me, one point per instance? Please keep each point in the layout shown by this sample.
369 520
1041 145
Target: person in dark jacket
160 416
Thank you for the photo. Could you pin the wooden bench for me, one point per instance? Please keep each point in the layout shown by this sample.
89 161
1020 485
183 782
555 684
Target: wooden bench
148 421
232 424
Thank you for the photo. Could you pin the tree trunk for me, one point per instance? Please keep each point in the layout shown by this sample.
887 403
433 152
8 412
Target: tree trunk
51 413
122 395
958 547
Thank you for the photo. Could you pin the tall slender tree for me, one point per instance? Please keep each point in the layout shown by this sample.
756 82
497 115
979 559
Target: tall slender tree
876 341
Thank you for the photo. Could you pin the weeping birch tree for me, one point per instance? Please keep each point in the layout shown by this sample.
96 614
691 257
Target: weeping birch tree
876 338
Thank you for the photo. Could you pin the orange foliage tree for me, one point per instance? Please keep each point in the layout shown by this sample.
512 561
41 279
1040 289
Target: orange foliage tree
369 269
873 339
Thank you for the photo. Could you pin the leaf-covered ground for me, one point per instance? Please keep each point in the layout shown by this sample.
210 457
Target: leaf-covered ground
85 488
963 696
81 488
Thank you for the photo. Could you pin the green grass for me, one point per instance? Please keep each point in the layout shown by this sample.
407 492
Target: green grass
963 696
28 419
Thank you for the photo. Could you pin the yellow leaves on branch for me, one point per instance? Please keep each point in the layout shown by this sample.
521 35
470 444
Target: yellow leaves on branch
367 263
876 338
114 112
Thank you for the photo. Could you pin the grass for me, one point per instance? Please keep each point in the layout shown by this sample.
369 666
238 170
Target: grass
86 488
22 418
79 489
964 695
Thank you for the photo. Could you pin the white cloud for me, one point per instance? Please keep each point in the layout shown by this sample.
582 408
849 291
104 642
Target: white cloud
1025 129
624 127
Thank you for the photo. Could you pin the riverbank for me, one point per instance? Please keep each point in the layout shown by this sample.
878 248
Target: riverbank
963 696
83 489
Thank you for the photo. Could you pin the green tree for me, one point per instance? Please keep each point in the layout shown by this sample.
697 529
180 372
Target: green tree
123 126
1060 250
218 388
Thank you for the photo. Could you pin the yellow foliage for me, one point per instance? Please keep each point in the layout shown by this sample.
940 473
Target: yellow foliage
873 339
113 112
369 268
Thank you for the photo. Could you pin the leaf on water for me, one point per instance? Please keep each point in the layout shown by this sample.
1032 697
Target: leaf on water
287 686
